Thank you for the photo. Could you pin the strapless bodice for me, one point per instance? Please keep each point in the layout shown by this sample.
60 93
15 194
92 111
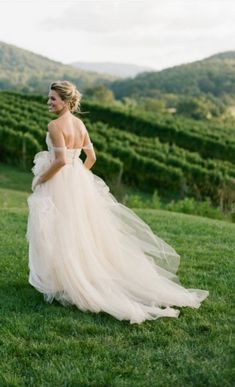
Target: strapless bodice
71 153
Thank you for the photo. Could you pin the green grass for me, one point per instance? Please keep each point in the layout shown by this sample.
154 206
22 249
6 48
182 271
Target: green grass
15 186
50 345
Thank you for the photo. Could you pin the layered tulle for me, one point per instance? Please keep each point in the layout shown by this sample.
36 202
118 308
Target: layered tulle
89 250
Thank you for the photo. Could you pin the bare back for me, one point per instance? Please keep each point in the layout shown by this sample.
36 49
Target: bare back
73 130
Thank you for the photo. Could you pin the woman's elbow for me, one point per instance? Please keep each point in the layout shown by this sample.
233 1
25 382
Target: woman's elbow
92 158
61 162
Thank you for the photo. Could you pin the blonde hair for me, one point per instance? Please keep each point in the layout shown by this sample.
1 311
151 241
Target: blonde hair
68 93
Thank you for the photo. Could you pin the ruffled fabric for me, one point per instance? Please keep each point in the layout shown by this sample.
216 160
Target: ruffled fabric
89 250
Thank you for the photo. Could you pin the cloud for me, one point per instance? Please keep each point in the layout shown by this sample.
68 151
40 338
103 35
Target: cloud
144 32
102 17
147 24
106 16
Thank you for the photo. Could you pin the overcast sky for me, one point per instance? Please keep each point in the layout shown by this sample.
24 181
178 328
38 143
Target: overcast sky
153 33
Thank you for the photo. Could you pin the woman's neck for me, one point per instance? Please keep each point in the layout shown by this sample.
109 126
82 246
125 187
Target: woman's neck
64 111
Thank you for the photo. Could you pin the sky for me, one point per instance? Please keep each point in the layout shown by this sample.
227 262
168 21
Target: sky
152 33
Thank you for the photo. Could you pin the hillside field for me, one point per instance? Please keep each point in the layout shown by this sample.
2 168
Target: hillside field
44 344
177 157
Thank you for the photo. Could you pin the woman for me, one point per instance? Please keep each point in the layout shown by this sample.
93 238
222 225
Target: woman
86 248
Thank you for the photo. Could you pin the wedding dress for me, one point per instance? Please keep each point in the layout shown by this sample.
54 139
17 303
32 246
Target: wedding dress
89 250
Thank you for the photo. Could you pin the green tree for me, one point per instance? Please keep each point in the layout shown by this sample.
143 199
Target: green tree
196 108
100 94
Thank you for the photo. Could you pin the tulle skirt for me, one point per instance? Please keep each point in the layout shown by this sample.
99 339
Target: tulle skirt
89 250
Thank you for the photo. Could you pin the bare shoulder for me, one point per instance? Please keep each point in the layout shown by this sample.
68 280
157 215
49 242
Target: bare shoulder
51 125
56 134
81 124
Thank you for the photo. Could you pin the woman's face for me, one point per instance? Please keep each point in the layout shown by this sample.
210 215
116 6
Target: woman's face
55 103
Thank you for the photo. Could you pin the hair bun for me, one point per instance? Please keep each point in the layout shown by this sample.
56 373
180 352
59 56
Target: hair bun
68 93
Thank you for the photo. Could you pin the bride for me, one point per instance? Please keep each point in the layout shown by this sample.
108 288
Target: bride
86 248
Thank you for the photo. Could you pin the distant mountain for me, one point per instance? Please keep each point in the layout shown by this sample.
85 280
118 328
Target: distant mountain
214 75
25 71
123 70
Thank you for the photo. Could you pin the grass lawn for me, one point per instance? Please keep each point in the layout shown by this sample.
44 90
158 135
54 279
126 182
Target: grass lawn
50 345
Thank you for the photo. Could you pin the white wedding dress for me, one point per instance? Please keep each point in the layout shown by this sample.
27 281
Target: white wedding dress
89 250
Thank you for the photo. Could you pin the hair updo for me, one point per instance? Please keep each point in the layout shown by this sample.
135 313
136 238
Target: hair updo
68 93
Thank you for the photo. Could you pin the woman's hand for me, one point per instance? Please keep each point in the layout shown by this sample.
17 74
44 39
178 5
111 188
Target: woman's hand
36 181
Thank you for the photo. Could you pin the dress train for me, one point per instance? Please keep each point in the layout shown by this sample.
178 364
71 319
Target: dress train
89 250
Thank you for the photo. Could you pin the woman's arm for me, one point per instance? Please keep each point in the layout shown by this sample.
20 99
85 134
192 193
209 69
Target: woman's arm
89 150
54 168
60 156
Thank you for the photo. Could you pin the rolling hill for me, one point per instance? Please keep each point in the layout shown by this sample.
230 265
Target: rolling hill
214 76
25 71
177 157
200 90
